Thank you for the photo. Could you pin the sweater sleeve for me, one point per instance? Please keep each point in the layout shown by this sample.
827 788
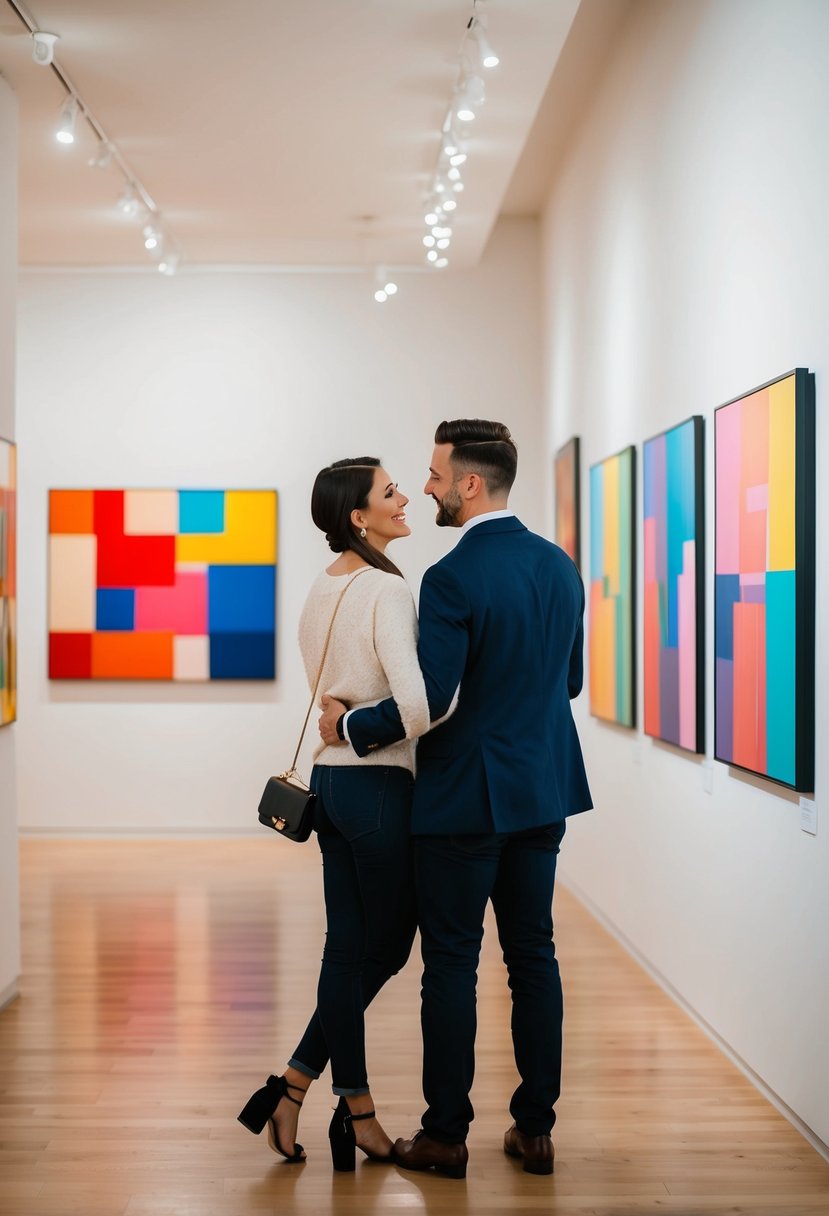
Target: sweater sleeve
395 641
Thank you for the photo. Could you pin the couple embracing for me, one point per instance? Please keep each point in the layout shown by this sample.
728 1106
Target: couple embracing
486 689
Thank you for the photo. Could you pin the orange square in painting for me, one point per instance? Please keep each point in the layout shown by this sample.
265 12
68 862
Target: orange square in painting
132 656
71 511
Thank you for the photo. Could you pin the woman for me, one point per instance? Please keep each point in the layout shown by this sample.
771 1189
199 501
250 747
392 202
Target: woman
363 806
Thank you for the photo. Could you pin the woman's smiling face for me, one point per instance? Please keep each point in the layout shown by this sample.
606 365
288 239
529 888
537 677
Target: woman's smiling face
384 517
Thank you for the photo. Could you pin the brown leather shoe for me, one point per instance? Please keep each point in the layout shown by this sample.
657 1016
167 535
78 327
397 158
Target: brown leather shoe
536 1152
424 1153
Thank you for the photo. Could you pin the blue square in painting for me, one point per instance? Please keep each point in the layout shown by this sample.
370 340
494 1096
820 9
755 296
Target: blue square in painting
114 608
241 599
242 656
201 511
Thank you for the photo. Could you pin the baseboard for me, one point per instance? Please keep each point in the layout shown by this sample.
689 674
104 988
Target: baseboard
132 833
678 999
8 994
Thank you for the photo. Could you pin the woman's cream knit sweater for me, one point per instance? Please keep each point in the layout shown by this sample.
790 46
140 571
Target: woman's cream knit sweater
372 655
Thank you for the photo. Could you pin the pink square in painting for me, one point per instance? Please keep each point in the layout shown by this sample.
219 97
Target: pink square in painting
180 609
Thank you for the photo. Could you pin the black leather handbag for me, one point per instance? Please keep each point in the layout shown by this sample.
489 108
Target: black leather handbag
287 804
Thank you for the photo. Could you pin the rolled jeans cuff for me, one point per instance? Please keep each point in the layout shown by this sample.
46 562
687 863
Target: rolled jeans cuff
303 1068
342 1092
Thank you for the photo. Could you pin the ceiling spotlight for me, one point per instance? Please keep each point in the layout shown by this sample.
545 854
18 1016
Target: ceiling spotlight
102 158
128 204
488 57
454 174
428 241
431 256
385 287
43 51
152 237
65 133
450 204
169 264
431 218
439 233
457 187
441 263
457 159
443 243
470 97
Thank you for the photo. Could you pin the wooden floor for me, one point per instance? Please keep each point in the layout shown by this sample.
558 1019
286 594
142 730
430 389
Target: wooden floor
163 980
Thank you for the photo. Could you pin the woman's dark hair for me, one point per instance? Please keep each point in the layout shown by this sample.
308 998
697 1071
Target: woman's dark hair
341 488
482 447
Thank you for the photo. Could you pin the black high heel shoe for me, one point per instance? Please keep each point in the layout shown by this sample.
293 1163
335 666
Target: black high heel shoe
260 1109
343 1141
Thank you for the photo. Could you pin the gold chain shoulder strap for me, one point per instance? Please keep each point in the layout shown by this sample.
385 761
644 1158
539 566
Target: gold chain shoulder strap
292 769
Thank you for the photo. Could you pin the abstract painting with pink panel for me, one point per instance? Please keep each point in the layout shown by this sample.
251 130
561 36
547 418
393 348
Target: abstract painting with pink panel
674 585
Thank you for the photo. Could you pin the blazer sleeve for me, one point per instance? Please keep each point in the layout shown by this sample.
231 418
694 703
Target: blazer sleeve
442 650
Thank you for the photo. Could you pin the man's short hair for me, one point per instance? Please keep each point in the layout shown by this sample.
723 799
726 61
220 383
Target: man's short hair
482 447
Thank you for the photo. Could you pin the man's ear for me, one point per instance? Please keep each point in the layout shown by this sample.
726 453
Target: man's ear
474 483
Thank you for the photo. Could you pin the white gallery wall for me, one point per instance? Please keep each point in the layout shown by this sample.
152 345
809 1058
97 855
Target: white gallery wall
9 899
685 262
232 381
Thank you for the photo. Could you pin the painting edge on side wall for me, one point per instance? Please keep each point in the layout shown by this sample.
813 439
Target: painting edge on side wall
571 450
8 587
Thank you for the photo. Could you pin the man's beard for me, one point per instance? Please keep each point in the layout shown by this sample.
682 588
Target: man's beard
449 509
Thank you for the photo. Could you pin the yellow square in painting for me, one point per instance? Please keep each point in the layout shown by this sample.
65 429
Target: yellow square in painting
249 538
150 512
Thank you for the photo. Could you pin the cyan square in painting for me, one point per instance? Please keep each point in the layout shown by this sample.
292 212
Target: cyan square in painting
201 511
114 608
242 656
241 599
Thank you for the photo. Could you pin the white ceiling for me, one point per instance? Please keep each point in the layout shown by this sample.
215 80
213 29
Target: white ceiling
266 132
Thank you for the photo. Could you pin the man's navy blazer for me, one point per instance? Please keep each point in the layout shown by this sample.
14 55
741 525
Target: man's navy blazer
501 616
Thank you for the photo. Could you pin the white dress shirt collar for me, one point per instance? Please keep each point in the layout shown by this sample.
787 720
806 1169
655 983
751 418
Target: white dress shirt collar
480 519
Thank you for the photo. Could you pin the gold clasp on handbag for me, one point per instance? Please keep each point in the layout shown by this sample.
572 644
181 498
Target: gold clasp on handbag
279 824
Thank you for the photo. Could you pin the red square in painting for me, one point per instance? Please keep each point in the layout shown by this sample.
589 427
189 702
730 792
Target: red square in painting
129 561
70 656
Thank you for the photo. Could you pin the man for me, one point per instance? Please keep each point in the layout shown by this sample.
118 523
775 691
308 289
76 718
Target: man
501 625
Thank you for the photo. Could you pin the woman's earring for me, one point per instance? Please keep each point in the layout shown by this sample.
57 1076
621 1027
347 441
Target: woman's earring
362 534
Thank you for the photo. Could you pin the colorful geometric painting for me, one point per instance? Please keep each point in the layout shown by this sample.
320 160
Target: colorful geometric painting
568 499
612 567
674 536
162 584
765 581
8 582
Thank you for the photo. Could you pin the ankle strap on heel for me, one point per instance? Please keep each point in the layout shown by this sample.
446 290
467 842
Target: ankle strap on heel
369 1114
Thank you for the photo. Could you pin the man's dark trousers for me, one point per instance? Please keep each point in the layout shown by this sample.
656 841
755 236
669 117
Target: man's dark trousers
456 875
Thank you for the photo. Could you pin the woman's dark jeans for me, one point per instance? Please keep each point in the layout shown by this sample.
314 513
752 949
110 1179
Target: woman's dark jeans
362 819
